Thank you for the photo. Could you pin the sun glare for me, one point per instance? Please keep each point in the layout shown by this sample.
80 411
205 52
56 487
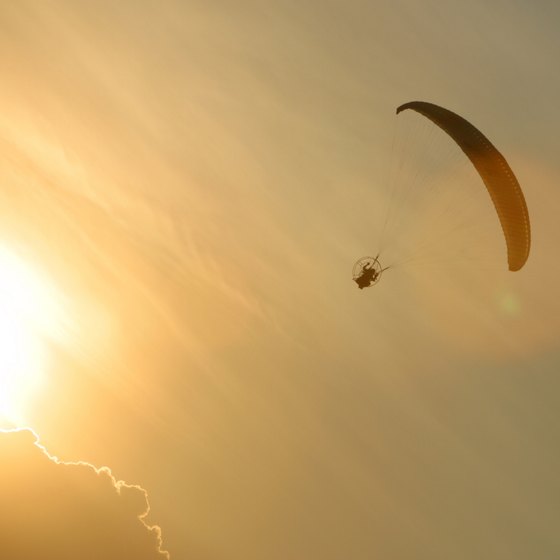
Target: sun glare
29 313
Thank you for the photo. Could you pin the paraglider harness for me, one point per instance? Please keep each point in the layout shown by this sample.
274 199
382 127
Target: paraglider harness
367 271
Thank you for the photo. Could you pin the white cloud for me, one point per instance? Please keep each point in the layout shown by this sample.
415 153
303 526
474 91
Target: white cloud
56 509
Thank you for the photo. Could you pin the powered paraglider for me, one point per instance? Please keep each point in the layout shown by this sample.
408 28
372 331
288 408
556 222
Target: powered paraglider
496 174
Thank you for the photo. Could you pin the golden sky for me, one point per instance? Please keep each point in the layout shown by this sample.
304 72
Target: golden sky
184 188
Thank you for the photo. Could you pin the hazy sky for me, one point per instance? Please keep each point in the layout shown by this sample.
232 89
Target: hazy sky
190 183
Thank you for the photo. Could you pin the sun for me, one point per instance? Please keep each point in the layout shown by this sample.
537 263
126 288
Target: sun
30 313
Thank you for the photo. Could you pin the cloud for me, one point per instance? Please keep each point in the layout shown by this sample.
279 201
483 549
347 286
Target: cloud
66 510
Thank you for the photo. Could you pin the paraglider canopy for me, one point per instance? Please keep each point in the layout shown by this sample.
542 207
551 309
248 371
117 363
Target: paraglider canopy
501 183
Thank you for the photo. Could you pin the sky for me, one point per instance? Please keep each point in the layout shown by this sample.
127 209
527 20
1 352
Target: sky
187 368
